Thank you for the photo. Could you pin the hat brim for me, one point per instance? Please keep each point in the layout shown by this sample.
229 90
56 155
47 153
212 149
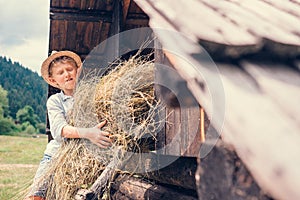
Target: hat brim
53 56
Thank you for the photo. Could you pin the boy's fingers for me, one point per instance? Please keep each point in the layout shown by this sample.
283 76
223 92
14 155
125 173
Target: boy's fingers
105 136
101 124
104 144
105 133
106 139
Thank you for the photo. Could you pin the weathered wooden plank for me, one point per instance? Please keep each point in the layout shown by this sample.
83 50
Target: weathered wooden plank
180 172
259 124
159 58
53 31
271 14
193 133
104 32
65 3
173 129
75 15
183 131
252 22
61 38
55 3
210 25
126 5
84 5
115 28
222 175
136 20
136 23
208 33
281 84
252 121
83 40
182 134
286 42
297 2
91 4
96 33
108 5
71 35
136 189
128 26
286 6
74 3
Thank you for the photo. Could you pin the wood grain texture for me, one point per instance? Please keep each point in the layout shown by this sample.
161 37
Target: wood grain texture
264 136
222 175
232 28
133 188
80 25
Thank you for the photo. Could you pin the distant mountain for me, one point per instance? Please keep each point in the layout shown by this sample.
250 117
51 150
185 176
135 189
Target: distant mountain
24 87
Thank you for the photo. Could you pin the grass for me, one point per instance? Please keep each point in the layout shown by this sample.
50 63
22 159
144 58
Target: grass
19 159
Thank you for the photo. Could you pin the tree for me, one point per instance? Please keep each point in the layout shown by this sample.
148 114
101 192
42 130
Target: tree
41 127
7 126
1 113
4 108
30 129
32 90
27 114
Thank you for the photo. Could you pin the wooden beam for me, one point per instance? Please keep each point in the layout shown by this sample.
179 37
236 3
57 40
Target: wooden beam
115 28
77 15
164 169
179 173
117 14
135 189
140 16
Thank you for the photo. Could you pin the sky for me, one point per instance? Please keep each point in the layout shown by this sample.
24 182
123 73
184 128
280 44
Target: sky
24 31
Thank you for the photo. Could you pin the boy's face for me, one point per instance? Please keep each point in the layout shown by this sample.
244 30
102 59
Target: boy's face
64 76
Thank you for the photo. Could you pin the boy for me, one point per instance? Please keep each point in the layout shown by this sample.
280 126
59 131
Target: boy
61 70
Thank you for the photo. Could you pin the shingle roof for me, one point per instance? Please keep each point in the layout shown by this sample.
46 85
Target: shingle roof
255 45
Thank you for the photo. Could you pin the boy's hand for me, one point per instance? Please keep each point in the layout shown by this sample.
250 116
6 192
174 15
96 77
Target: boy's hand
95 135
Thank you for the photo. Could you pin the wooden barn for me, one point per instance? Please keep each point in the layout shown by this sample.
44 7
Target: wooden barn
234 132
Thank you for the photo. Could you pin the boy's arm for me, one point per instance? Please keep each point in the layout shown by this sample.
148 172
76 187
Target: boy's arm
94 134
69 132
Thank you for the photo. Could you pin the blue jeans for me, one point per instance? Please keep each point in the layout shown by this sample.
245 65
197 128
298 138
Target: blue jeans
39 186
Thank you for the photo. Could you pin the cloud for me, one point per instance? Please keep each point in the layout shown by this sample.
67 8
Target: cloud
30 54
24 31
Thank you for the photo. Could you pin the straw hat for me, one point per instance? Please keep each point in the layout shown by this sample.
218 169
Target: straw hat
53 56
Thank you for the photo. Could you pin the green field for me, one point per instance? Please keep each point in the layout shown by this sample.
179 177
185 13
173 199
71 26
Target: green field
19 159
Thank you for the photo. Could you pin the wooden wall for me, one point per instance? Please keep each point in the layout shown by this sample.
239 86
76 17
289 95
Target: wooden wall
79 26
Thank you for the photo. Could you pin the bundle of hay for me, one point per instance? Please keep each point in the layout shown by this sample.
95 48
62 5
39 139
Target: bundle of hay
125 99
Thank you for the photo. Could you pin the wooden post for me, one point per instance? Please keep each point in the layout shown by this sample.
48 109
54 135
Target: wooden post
116 28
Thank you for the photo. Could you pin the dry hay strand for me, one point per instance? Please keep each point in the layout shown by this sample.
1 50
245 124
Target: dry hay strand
125 99
75 167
